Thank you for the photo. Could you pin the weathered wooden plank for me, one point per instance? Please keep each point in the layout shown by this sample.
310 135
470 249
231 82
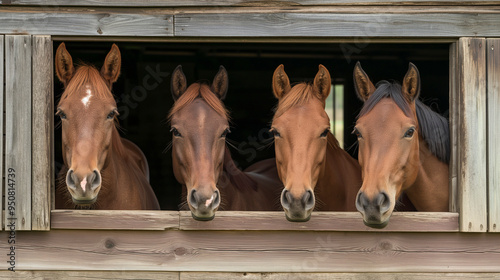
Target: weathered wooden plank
493 53
255 251
89 275
114 219
42 132
336 25
18 130
453 119
472 155
101 23
337 276
176 3
321 221
2 185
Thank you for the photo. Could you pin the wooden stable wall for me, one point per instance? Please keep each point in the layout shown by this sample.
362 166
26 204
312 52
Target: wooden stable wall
460 244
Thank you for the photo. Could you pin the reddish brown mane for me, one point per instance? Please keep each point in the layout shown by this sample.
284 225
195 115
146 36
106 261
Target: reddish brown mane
87 75
299 94
199 90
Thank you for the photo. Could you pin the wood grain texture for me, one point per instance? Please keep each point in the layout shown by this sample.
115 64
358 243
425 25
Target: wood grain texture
255 251
472 150
493 54
102 23
336 25
321 221
2 185
173 3
42 132
337 276
18 128
115 219
453 119
89 275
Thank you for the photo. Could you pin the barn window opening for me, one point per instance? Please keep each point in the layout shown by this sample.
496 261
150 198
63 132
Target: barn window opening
144 99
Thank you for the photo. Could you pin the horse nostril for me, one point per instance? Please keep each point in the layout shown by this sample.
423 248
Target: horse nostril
193 200
362 202
383 201
286 198
71 179
216 201
95 180
308 199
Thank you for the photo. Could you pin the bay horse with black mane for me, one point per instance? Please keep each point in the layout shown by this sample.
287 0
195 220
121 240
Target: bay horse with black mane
316 172
403 147
202 162
101 169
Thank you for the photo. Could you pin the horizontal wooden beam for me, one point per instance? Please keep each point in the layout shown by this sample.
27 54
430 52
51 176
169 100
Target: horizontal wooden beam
255 251
187 3
336 25
149 275
114 219
322 221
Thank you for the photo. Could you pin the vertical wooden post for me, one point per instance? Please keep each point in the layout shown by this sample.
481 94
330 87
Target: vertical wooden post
472 132
453 118
42 131
2 185
18 128
493 55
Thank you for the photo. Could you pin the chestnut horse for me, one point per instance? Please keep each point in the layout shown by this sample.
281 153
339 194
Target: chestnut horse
311 164
201 161
101 169
403 146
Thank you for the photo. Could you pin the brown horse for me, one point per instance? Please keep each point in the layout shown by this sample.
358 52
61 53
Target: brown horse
403 146
202 163
311 164
101 169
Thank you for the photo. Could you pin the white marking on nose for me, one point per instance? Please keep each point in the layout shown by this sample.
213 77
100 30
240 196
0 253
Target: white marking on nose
83 183
207 203
86 99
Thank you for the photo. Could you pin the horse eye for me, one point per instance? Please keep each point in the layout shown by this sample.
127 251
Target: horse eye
61 114
275 132
175 132
226 131
409 133
325 133
357 133
112 114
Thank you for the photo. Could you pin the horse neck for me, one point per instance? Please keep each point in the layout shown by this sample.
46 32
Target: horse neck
339 180
430 191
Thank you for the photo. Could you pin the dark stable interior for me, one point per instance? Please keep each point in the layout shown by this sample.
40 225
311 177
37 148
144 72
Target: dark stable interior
144 99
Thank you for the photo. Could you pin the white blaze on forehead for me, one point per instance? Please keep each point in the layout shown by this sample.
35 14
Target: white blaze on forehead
86 99
83 183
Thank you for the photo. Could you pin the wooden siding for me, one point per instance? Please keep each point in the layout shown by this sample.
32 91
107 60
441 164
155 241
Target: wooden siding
18 129
472 150
42 132
453 118
256 251
2 185
148 275
493 53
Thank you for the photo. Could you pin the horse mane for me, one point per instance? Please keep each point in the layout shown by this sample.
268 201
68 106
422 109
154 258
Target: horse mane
433 127
299 94
199 90
87 75
238 178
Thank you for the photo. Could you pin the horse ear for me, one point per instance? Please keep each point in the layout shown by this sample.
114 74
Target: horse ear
64 65
220 83
362 84
112 64
179 84
411 83
323 82
281 83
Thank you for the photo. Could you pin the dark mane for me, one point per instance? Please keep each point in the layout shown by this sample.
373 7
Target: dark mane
433 127
199 90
